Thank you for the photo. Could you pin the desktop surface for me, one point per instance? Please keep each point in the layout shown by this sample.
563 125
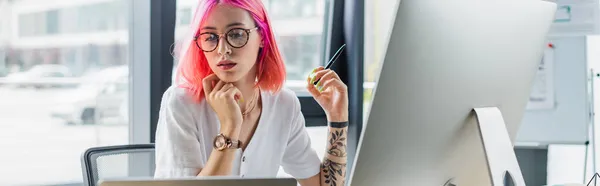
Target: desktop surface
207 181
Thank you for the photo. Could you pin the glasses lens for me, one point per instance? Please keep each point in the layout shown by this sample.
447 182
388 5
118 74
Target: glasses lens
208 41
237 37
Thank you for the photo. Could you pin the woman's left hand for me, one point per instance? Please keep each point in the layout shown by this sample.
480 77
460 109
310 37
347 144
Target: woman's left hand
330 92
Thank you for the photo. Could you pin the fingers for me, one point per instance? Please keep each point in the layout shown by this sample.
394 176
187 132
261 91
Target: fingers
329 74
333 82
207 83
326 79
219 86
318 76
233 93
312 74
318 69
226 87
228 91
311 87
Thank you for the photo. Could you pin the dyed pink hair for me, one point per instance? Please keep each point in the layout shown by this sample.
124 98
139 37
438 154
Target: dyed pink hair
193 65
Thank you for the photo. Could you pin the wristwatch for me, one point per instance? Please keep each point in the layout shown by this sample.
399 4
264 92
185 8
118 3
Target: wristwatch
223 142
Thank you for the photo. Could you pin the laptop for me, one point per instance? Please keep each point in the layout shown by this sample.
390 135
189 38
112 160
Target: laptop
203 181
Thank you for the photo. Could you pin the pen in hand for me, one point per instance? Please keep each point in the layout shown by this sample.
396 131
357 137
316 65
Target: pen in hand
332 60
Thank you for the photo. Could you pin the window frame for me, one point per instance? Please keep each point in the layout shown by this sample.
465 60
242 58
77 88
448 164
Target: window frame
151 33
335 33
347 27
314 115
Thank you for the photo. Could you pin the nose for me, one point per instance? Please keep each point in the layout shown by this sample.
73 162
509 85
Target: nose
223 47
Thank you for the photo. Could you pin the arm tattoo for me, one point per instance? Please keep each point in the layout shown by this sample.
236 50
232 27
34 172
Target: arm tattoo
333 168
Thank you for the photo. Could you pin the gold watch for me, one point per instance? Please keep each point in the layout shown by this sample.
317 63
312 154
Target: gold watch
223 142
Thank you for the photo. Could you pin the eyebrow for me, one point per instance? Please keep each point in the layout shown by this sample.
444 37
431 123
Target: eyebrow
229 25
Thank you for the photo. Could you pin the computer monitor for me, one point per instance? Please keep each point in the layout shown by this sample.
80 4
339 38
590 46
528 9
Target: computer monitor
445 59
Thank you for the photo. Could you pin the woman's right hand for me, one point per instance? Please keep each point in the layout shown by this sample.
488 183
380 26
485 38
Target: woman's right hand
223 100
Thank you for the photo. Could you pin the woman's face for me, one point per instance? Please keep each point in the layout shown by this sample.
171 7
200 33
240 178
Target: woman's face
237 42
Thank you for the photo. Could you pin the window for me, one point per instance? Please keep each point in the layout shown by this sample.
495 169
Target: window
98 17
3 62
301 48
291 9
52 22
1 30
185 16
379 17
26 25
48 119
76 18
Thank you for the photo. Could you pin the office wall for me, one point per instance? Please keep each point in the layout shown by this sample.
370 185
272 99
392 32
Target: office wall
593 56
565 163
568 121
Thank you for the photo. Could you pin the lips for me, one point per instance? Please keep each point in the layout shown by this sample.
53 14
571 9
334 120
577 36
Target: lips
226 65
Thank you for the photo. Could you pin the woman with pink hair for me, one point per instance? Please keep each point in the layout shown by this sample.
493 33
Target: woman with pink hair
228 112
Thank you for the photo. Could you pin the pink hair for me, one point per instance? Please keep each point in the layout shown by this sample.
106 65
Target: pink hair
193 65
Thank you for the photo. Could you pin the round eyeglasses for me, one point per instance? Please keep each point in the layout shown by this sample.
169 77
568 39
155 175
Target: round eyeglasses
237 38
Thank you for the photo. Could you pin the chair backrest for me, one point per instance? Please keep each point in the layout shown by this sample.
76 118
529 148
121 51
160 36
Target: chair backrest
117 162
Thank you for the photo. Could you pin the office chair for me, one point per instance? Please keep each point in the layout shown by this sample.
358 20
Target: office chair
117 162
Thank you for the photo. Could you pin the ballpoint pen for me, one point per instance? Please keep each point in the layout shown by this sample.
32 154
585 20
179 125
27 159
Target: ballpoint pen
332 60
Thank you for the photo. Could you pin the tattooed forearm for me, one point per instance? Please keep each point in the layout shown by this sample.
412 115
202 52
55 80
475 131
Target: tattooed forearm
333 169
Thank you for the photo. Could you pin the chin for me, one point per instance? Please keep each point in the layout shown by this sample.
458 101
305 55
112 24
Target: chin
229 77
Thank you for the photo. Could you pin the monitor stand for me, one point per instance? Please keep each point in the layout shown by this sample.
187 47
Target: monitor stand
493 149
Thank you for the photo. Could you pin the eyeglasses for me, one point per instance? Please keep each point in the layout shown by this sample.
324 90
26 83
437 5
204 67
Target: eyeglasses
237 38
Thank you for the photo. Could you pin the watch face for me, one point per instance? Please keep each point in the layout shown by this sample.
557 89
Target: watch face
220 142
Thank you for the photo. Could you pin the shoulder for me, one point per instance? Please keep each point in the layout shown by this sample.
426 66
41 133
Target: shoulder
176 97
180 109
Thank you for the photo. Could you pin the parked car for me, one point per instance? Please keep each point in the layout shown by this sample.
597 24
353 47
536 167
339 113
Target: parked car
99 96
40 76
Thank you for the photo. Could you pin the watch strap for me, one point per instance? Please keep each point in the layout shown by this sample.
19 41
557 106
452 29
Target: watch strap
234 144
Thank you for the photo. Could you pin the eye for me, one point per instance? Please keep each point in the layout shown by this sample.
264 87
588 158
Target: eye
211 37
236 34
208 37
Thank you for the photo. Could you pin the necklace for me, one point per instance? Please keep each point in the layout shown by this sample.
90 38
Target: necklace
252 102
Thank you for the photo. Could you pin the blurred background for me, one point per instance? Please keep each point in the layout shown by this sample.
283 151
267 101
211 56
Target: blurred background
64 76
66 82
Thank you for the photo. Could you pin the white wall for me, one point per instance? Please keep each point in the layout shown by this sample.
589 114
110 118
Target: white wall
593 57
5 20
566 162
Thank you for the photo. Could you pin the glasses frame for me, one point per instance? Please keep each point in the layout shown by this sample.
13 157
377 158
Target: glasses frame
219 36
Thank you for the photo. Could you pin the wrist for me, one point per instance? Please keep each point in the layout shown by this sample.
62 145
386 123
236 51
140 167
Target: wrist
338 125
232 132
337 118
